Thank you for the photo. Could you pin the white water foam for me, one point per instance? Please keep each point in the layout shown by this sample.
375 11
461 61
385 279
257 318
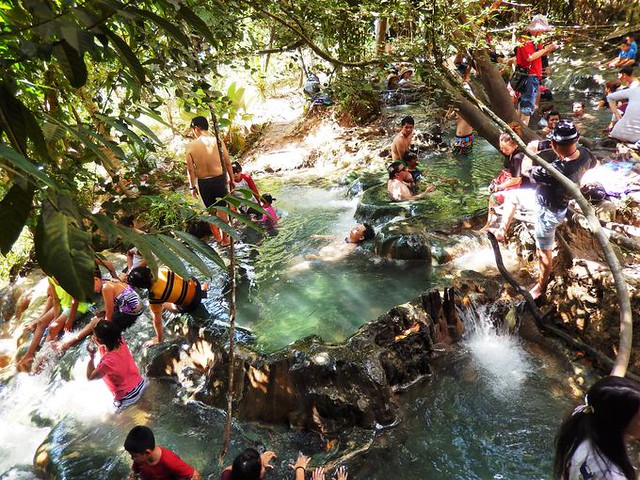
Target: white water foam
29 403
499 355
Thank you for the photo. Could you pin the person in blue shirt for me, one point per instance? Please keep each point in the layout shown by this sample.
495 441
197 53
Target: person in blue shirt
627 55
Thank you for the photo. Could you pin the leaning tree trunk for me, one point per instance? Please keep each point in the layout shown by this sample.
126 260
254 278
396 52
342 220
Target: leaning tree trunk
626 318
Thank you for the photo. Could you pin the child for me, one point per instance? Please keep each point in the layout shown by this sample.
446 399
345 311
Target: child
151 461
250 465
270 219
116 366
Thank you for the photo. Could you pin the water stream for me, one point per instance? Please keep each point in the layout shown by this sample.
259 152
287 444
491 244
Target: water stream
490 410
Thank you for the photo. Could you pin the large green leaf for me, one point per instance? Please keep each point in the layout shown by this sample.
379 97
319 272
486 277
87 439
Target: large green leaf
19 123
145 247
167 26
121 127
25 165
63 251
167 256
197 24
144 128
14 211
184 252
126 54
71 63
107 227
202 248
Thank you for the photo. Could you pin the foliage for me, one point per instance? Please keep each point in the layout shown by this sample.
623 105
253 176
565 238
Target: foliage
14 259
355 96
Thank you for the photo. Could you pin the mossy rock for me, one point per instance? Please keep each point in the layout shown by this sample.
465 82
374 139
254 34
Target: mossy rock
403 240
364 182
376 209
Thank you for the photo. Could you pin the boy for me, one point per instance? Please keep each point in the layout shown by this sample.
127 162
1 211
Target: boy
153 462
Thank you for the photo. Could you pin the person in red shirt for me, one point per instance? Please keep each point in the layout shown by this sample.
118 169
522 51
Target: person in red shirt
153 462
529 55
116 366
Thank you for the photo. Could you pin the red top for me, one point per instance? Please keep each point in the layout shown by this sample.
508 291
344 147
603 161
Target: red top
226 475
523 52
251 183
169 467
121 373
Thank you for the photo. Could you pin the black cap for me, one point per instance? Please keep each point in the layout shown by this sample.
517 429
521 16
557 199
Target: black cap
564 132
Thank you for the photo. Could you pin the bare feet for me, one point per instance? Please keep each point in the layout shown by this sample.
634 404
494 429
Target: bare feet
152 342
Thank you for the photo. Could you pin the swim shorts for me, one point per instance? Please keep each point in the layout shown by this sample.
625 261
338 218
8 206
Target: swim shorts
212 189
462 145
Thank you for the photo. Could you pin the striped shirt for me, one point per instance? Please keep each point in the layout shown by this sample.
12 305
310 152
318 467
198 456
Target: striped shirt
172 288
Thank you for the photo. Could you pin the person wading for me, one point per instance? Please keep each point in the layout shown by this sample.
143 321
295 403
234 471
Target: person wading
205 173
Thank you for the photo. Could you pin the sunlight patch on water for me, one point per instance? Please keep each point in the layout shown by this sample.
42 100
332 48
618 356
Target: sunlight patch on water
499 357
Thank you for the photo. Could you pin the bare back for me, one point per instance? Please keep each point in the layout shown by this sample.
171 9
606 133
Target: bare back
203 152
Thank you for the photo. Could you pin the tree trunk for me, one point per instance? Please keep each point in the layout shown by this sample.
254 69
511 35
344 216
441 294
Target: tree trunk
381 35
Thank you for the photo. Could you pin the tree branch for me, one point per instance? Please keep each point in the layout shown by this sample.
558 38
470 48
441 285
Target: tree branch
626 326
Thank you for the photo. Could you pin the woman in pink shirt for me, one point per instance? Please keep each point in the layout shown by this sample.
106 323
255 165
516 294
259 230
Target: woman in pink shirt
116 366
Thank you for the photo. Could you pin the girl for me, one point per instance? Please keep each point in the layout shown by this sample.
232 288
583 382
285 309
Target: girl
116 366
591 441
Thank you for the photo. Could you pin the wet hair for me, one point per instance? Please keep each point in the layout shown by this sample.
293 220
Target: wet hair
369 232
394 168
408 120
610 405
626 71
108 334
140 277
139 440
200 122
247 466
236 167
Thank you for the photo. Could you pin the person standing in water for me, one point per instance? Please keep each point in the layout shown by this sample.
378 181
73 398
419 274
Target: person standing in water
206 174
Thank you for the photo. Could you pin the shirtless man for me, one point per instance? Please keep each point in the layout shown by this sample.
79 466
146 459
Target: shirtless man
402 142
339 249
205 167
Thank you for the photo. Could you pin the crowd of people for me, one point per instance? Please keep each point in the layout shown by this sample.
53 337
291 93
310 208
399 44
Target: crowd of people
591 441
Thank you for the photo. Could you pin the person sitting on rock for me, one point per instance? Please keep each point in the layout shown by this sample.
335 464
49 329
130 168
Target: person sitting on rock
116 366
169 291
60 312
626 57
400 184
627 128
406 77
153 462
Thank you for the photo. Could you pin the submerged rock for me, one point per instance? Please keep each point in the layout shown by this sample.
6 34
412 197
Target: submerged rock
310 384
403 240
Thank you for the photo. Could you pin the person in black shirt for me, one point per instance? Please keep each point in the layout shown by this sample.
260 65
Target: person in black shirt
551 197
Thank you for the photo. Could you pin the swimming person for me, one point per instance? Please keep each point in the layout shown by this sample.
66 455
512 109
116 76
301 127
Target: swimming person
591 441
116 366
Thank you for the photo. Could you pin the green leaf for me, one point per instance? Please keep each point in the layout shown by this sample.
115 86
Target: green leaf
25 165
167 257
217 222
154 115
141 126
63 251
71 63
120 126
197 24
20 123
14 211
187 254
202 248
106 226
167 26
126 55
140 241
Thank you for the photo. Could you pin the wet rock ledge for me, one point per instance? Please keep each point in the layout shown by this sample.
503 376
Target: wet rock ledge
312 385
